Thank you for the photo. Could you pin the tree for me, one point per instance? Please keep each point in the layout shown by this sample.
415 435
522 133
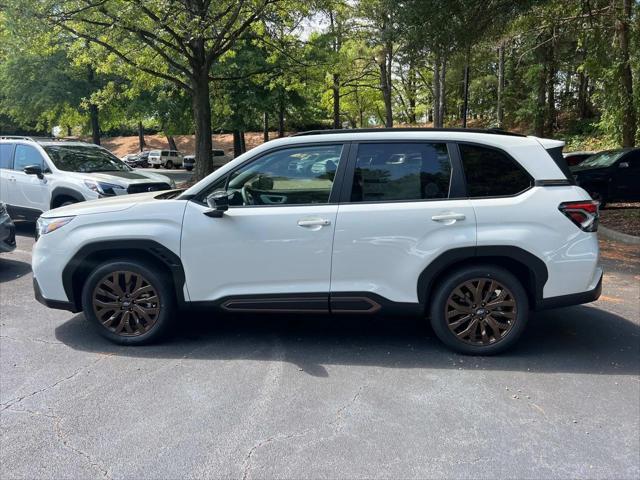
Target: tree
175 40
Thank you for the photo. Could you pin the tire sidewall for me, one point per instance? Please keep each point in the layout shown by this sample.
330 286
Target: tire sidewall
441 295
155 278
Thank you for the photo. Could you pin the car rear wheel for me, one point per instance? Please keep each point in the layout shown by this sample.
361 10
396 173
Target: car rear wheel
479 310
156 166
188 169
128 302
169 164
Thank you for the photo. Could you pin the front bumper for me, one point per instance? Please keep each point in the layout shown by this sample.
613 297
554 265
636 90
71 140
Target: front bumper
7 235
57 304
572 299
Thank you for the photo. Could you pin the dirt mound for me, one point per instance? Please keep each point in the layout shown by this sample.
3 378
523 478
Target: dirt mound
121 146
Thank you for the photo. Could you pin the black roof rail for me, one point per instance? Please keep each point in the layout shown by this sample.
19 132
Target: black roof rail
494 131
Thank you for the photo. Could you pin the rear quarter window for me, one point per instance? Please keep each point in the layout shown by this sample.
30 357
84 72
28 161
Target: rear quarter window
492 173
6 152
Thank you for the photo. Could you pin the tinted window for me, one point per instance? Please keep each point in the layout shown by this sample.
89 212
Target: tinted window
6 149
491 173
401 171
292 176
26 155
84 159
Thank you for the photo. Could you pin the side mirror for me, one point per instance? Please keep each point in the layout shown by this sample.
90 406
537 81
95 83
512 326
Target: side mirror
623 165
34 170
218 202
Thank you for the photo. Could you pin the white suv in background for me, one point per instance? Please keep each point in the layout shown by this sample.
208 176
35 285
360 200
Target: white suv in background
165 158
36 176
470 229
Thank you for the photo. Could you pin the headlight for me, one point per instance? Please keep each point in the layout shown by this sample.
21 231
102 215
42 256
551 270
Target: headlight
102 188
48 225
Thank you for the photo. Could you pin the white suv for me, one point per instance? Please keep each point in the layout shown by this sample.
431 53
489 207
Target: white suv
36 176
165 158
470 229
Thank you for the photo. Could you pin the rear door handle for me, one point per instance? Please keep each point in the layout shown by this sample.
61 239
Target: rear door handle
445 217
316 222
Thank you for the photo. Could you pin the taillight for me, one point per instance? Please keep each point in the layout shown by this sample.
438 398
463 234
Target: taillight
583 213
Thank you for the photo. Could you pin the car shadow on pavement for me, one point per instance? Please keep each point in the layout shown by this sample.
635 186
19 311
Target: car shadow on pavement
12 269
573 340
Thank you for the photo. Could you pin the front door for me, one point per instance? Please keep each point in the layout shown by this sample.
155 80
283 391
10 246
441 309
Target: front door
271 250
29 191
397 216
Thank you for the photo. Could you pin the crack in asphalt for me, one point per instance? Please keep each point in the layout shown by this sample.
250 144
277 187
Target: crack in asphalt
17 400
274 438
64 438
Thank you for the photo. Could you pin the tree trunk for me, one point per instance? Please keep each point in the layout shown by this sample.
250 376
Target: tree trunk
500 109
336 101
94 115
141 136
541 92
172 142
237 144
436 92
243 145
583 96
69 132
550 111
465 94
265 127
281 111
442 99
202 121
385 86
626 79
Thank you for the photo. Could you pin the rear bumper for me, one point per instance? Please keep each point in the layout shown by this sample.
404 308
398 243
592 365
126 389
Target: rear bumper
57 304
572 299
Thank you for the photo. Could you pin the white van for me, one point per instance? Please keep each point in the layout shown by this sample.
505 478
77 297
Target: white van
166 158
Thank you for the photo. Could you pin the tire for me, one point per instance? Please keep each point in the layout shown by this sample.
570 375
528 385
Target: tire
599 197
512 313
188 169
156 166
168 165
67 202
142 322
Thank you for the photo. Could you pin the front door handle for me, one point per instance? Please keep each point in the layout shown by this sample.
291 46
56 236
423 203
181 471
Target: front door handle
315 222
448 217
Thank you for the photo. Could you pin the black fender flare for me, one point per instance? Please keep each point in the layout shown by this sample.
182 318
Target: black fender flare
536 268
65 192
105 249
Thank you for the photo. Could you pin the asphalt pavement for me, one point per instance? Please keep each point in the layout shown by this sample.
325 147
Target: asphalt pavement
317 397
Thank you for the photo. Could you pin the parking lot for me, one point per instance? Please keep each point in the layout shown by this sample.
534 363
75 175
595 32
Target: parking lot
297 396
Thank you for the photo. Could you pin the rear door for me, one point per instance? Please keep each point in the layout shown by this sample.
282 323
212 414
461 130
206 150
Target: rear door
402 205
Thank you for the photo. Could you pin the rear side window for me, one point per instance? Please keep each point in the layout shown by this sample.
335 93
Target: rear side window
401 171
6 150
491 173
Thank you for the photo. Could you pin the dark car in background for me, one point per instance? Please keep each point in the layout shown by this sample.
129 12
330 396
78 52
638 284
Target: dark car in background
219 159
7 230
612 175
576 158
140 160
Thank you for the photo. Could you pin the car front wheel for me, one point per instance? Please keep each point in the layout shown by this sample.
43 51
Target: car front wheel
479 310
128 302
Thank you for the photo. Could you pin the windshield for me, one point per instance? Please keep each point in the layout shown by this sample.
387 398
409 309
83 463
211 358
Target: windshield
603 159
80 158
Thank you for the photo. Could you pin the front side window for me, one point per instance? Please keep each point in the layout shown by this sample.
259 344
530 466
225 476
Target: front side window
25 156
77 158
491 173
292 176
401 171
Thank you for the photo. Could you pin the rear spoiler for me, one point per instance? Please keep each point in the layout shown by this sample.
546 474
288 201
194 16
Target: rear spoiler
554 149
